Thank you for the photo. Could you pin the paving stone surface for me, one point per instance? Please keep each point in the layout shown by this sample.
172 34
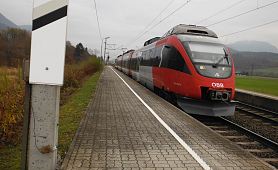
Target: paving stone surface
119 132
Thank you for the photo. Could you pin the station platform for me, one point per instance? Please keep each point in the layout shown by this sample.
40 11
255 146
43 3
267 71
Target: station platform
265 101
135 129
257 94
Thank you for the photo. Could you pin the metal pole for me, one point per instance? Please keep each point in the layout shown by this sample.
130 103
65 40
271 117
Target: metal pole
105 42
101 48
104 50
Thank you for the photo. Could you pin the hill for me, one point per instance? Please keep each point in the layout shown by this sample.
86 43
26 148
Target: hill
26 27
253 63
253 46
6 23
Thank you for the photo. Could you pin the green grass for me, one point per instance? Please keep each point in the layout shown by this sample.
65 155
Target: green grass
70 116
10 157
72 112
258 84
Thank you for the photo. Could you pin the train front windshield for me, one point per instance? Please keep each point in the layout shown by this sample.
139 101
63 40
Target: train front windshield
209 59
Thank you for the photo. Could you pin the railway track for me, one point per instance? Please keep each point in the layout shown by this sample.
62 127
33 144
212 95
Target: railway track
261 121
260 146
256 143
267 116
254 140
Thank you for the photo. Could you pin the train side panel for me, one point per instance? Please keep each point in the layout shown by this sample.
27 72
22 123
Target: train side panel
146 76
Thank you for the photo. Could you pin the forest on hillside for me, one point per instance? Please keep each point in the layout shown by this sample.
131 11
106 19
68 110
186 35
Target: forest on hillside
256 63
15 47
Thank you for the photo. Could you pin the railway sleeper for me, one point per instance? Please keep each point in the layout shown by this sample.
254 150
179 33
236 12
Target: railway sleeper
215 127
250 145
266 150
264 153
228 133
271 160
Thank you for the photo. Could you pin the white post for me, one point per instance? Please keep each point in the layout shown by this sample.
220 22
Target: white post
46 76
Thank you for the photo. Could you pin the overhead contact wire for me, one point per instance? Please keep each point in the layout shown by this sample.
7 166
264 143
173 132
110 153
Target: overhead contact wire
247 29
172 13
164 9
221 11
97 20
244 13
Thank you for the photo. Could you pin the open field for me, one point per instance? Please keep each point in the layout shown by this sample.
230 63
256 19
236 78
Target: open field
258 84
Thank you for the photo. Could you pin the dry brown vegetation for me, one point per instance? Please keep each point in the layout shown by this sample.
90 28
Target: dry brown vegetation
11 105
12 95
14 48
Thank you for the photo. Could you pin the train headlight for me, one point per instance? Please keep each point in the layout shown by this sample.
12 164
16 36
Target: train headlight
202 67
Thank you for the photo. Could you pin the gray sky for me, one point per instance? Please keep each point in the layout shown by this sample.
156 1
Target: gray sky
123 20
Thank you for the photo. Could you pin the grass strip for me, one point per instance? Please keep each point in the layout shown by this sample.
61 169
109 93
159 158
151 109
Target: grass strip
10 157
72 112
258 84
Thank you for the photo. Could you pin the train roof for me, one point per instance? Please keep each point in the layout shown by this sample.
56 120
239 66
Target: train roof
151 40
129 51
191 30
197 38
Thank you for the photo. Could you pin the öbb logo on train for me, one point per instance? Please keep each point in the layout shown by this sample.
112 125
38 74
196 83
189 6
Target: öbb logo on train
219 85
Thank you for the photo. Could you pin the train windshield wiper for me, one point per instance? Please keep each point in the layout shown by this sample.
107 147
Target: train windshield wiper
221 59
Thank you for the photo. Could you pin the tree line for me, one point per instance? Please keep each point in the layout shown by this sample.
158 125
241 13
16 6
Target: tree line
15 46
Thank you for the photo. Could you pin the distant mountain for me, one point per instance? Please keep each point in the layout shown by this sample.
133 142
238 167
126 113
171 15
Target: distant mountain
26 27
249 62
253 46
6 23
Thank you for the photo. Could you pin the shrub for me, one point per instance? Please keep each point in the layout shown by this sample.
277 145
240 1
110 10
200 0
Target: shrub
75 73
12 95
11 106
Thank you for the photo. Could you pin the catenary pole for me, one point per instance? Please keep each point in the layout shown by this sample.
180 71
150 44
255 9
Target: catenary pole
105 42
101 49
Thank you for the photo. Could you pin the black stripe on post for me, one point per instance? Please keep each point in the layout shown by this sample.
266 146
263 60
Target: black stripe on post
50 17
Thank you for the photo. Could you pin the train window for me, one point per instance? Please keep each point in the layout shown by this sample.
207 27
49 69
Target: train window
209 59
151 57
142 59
137 64
146 58
131 65
209 53
150 53
157 57
171 58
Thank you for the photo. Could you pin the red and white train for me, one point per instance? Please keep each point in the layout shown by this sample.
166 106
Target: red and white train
188 65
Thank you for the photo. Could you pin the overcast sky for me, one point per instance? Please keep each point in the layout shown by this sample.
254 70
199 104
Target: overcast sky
123 20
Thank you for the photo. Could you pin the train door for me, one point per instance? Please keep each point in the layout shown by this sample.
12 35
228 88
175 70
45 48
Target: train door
174 68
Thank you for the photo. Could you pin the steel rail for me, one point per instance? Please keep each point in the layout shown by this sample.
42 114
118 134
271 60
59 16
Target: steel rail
267 142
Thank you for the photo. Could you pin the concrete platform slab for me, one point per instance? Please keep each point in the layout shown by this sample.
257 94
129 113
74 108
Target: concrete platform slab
119 132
